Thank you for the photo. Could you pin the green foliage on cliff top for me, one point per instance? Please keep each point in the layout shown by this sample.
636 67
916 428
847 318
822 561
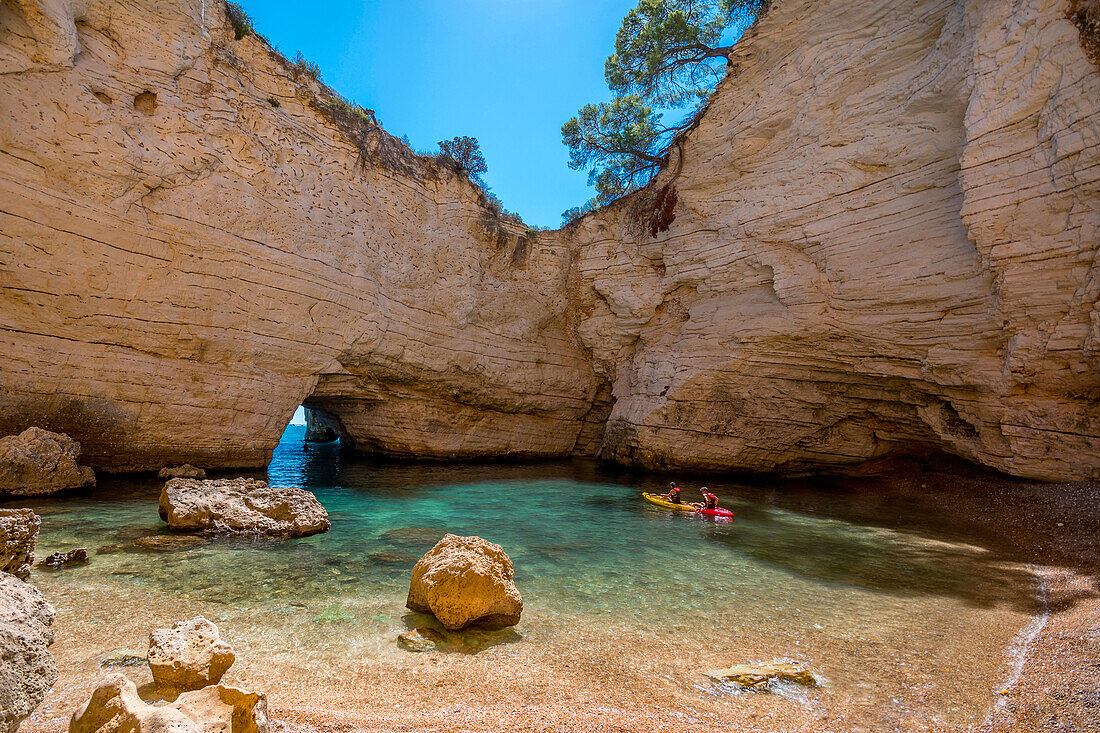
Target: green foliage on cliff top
669 54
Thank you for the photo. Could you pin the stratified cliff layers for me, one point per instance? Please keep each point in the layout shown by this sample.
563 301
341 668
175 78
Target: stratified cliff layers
192 245
881 238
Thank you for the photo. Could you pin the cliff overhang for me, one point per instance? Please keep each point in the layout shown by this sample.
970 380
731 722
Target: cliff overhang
869 249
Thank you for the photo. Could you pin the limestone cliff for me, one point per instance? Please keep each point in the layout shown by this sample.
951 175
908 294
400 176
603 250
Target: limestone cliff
881 237
885 239
196 237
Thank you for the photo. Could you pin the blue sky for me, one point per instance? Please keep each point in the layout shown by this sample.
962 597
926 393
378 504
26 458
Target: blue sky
508 72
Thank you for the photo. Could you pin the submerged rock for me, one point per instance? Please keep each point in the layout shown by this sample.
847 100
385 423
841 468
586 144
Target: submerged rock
18 536
184 471
27 669
123 658
760 676
168 543
115 706
37 462
466 581
189 656
61 559
420 640
155 543
423 536
393 558
241 506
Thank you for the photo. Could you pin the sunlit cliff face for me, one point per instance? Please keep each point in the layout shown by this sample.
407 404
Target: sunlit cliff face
876 248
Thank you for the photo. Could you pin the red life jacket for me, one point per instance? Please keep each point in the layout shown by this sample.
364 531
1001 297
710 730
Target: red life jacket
710 500
674 496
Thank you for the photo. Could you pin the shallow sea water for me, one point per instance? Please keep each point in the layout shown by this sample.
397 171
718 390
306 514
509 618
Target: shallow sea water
909 617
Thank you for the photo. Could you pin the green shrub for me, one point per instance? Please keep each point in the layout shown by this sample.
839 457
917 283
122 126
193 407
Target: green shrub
307 67
242 24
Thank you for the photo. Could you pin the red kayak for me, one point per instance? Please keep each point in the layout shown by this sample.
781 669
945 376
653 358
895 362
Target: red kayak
716 512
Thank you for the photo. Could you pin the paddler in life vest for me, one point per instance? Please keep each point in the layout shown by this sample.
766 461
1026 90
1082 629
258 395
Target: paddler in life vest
673 494
710 501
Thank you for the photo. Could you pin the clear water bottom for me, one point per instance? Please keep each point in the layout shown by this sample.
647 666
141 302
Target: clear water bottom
905 613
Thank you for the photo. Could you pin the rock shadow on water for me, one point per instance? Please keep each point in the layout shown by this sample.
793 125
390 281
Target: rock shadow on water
468 641
881 559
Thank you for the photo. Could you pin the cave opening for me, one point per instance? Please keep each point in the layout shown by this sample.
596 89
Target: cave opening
311 424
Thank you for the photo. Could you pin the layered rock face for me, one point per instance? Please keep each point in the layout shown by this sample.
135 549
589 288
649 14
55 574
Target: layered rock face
881 238
885 241
194 241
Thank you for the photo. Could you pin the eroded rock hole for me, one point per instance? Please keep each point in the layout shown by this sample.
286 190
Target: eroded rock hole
321 427
146 102
102 97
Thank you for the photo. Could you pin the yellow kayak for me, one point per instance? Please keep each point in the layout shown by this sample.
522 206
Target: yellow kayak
656 499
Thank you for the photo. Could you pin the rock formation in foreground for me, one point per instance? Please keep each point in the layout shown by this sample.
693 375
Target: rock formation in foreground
38 462
27 669
466 581
189 656
241 506
115 705
880 239
18 537
186 661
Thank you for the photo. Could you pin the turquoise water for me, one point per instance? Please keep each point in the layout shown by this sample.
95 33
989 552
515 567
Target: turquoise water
837 574
579 536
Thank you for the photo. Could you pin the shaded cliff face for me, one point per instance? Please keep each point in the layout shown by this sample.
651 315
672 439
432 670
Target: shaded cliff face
184 262
884 240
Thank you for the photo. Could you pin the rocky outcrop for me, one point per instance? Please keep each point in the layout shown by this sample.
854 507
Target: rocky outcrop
115 705
38 462
75 556
878 246
189 656
27 669
18 536
184 471
881 238
241 506
320 428
197 237
466 581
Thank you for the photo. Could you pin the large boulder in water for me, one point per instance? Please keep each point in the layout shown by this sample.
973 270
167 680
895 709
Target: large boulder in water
115 706
27 669
38 462
466 581
188 656
18 536
241 506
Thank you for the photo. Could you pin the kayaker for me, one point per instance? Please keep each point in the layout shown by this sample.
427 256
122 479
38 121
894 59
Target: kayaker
710 501
673 494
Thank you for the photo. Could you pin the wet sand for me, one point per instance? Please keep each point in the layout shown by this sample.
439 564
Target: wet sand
342 671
